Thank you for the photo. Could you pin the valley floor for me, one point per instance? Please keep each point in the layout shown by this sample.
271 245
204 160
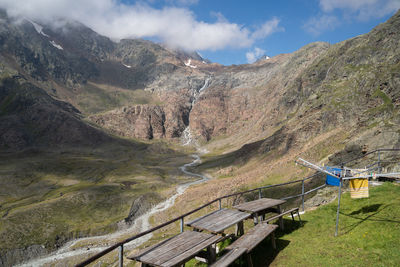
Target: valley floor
51 197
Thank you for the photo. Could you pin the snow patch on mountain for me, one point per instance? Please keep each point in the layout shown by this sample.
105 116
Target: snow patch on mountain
38 28
188 63
56 45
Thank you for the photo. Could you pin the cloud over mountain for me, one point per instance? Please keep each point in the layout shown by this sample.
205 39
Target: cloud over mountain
334 12
175 26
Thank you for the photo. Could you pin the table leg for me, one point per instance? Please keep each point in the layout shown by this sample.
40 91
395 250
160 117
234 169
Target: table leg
280 218
255 218
249 261
239 229
273 240
212 255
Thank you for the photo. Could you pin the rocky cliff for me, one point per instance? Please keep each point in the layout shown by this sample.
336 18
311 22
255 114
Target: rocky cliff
139 89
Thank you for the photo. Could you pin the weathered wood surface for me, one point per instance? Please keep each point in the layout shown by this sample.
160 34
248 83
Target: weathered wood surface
254 236
258 205
175 250
229 257
291 211
218 221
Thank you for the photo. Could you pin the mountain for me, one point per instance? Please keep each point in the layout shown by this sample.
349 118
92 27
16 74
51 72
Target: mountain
136 88
309 92
29 116
86 100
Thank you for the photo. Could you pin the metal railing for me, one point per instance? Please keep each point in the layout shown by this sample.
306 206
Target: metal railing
378 162
181 218
120 245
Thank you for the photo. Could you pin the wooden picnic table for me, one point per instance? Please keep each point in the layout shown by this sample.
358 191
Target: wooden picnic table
261 207
219 220
178 249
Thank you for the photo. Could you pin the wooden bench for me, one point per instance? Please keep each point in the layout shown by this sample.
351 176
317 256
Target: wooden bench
291 211
246 243
176 250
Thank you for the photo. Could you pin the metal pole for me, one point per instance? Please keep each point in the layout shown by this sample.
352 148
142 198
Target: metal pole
220 203
121 256
338 208
182 225
259 193
302 194
379 161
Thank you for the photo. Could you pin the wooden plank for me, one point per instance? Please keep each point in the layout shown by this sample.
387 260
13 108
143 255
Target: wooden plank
219 227
282 214
259 204
191 252
209 215
167 249
251 239
179 246
229 257
137 254
162 247
225 218
183 249
155 247
217 221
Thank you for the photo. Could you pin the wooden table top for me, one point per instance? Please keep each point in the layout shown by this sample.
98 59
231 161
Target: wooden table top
218 221
176 250
259 204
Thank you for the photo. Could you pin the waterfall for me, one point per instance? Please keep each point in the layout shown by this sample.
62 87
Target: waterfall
187 137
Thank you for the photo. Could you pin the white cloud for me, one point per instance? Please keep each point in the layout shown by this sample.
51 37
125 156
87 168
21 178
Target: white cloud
253 56
361 9
330 5
176 26
334 12
317 25
183 2
267 28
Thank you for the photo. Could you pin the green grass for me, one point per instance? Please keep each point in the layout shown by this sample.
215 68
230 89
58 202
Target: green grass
48 197
97 98
369 234
387 101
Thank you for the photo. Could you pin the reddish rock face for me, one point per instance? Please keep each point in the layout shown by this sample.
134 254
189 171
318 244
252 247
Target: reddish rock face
148 121
140 121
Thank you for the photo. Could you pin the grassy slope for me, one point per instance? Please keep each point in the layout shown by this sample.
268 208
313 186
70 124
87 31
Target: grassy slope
78 192
368 234
97 98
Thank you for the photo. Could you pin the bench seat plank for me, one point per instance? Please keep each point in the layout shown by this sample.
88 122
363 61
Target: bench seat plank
229 257
252 238
282 214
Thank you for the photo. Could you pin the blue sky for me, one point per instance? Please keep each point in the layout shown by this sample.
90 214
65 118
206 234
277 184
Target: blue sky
296 20
223 31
